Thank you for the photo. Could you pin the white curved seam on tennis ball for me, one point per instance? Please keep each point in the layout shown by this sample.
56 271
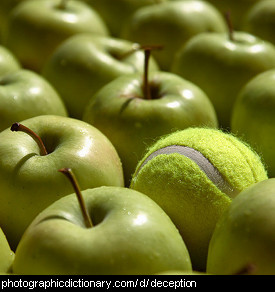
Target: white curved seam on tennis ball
204 164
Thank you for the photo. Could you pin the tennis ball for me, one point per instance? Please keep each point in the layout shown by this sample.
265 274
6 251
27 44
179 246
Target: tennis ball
194 174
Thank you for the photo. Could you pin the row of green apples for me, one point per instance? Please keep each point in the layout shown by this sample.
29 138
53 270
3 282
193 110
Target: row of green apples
220 64
143 121
251 15
200 201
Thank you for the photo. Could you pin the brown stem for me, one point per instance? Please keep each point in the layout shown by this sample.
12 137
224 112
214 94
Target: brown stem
229 25
16 127
246 270
70 175
147 55
146 85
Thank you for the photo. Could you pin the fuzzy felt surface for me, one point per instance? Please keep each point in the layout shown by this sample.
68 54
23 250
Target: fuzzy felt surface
184 191
239 164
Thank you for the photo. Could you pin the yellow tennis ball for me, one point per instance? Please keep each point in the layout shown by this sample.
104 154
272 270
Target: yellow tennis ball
193 174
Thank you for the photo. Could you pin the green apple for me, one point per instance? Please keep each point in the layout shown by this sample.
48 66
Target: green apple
6 254
253 116
28 171
221 63
135 110
238 9
36 28
115 16
171 24
260 20
5 8
25 94
81 65
244 235
128 234
8 62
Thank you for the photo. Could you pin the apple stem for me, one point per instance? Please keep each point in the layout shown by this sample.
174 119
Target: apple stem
248 269
16 127
147 55
229 25
70 175
146 85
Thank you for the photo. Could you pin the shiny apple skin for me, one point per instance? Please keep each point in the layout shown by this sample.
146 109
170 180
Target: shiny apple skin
84 63
131 234
36 28
253 116
221 66
25 94
133 123
30 181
